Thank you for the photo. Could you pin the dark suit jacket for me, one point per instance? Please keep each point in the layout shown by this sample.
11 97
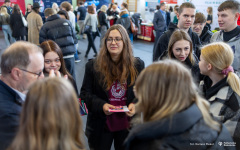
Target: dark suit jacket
159 22
10 108
95 96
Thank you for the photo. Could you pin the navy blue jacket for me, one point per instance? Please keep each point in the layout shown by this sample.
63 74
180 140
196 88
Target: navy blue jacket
10 108
60 31
83 12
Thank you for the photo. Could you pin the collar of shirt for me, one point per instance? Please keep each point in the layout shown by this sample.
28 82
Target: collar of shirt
23 96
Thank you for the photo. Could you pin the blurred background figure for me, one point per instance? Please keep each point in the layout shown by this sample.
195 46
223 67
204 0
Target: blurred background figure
50 118
209 17
5 22
18 29
29 10
55 7
34 24
91 20
103 22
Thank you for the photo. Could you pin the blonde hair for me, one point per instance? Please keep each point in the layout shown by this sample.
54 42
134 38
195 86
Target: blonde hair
210 10
154 87
104 8
50 118
220 55
4 11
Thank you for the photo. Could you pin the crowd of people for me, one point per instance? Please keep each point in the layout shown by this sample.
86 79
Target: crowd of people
189 98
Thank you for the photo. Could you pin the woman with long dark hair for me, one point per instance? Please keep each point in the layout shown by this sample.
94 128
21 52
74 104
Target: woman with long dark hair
108 83
18 29
53 60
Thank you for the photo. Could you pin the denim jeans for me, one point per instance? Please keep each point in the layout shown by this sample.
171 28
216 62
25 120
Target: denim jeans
8 32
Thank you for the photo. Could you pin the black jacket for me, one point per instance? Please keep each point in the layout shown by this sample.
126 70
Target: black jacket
17 26
205 35
10 109
95 96
186 130
102 19
83 12
162 43
60 31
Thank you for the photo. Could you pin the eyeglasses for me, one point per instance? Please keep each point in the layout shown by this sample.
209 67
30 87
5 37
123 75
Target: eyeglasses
38 74
110 40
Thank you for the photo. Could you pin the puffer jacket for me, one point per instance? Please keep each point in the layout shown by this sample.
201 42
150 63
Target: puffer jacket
60 31
186 130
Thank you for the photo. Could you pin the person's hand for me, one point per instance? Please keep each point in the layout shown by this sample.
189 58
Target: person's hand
56 74
131 108
106 108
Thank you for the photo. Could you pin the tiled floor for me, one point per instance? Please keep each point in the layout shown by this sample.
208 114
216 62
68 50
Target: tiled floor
141 49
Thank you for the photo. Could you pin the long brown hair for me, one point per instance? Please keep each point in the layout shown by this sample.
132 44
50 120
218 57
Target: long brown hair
16 9
179 35
50 118
111 71
51 46
154 90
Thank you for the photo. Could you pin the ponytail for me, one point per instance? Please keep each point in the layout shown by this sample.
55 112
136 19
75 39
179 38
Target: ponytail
234 82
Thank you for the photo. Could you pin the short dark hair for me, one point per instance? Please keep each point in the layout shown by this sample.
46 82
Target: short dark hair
49 12
185 5
7 1
230 4
162 4
64 13
200 18
81 2
157 7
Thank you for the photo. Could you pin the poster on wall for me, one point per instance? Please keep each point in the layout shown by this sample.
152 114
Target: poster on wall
202 7
48 3
98 3
21 4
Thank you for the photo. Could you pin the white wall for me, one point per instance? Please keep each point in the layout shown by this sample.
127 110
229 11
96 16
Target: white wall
141 8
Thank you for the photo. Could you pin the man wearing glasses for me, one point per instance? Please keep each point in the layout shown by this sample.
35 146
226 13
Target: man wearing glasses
21 65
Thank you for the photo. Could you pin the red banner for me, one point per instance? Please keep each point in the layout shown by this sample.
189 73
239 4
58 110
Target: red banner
169 1
21 4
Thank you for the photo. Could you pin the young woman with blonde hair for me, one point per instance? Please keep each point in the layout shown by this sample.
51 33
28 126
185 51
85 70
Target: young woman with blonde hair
108 82
50 119
223 92
5 22
172 115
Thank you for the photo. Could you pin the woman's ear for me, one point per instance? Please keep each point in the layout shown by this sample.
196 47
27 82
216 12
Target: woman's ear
209 67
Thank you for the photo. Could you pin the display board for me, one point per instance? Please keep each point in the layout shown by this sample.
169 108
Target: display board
98 3
48 3
21 4
202 5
